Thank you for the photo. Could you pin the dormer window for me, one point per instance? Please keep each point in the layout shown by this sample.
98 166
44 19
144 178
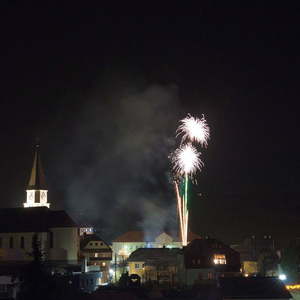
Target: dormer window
219 259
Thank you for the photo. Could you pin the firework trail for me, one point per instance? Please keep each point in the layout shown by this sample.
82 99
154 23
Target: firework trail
186 162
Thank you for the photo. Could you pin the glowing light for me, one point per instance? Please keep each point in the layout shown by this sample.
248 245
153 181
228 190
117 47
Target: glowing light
219 259
194 129
293 287
282 277
187 160
111 272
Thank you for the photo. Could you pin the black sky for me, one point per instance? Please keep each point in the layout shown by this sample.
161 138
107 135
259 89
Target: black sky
64 68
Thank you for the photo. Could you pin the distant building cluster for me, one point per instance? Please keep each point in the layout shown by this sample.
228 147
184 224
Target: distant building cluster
81 256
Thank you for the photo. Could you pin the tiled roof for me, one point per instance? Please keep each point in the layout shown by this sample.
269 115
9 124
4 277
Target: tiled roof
139 236
91 238
142 254
131 236
253 288
33 219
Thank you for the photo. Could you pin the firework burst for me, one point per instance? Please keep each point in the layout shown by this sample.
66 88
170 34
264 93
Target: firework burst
194 129
186 160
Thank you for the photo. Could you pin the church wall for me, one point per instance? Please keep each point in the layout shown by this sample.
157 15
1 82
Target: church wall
65 244
16 252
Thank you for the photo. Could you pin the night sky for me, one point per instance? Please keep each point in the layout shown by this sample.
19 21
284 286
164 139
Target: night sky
104 95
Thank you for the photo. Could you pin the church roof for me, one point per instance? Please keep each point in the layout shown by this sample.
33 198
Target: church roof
33 219
37 179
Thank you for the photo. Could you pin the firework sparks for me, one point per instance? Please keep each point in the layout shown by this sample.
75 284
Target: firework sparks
186 160
194 129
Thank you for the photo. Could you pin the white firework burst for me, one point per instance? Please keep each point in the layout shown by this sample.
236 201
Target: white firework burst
194 129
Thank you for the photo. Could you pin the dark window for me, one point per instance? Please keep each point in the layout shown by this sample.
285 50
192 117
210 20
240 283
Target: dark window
96 244
101 244
51 242
22 242
11 242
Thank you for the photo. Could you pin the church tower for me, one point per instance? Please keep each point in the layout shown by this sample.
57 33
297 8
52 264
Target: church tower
37 189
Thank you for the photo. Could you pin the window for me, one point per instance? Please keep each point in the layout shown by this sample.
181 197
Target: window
11 242
219 259
198 261
209 275
137 266
96 254
22 242
194 261
96 244
101 244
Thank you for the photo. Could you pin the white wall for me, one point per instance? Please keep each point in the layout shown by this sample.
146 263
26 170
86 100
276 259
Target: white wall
65 244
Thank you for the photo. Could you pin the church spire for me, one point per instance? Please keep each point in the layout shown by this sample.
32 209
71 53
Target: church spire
37 188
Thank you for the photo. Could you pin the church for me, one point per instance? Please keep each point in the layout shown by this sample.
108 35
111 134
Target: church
56 232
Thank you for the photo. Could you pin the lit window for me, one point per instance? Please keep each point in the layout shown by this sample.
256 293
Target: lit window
96 254
103 264
219 259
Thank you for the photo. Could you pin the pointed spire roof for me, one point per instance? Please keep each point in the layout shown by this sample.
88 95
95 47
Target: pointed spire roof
37 178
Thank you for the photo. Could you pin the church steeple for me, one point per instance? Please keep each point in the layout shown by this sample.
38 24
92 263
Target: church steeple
37 188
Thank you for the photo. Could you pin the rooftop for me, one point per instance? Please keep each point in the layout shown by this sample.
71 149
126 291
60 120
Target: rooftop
33 219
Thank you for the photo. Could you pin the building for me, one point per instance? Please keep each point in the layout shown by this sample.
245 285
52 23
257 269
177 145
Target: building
158 265
208 259
56 231
258 256
128 242
97 254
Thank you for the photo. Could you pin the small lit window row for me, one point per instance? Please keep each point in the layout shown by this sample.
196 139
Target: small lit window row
96 244
139 266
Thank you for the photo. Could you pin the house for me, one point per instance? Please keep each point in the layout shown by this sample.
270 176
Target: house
257 288
158 265
208 259
128 242
98 254
258 255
